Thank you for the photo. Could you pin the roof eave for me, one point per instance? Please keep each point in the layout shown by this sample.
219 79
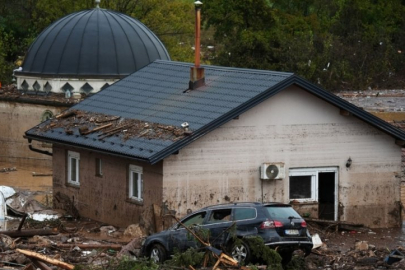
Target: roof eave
353 109
85 147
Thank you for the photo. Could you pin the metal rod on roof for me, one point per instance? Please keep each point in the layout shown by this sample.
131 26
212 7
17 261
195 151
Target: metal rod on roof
197 5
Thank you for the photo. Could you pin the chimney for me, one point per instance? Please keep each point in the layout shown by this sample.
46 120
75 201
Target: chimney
197 74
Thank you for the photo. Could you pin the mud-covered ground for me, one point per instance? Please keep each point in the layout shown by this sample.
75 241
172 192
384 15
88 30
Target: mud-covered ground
359 249
87 242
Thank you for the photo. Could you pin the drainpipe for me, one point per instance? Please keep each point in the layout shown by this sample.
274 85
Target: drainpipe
197 74
37 150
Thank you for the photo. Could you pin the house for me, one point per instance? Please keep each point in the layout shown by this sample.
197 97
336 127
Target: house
157 137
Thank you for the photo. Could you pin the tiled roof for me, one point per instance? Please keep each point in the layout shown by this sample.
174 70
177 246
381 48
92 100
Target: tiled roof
158 94
93 43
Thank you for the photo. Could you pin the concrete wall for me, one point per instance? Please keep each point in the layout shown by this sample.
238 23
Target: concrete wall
15 119
105 198
302 131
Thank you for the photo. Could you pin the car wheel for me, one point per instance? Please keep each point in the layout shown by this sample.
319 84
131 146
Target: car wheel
157 253
240 251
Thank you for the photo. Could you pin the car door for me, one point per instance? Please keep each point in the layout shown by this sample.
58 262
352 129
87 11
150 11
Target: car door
180 238
218 222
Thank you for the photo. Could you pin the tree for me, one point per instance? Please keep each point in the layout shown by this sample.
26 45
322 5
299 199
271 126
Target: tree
339 44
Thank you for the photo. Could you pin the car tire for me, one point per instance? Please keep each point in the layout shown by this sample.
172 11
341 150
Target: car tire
240 251
157 253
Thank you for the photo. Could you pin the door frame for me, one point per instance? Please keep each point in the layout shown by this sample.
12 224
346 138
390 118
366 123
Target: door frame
314 173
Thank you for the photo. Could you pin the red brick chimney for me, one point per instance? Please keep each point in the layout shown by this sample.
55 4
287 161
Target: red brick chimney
197 74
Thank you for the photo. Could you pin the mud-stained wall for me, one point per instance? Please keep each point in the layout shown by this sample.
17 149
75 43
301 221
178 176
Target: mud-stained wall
15 119
302 131
105 198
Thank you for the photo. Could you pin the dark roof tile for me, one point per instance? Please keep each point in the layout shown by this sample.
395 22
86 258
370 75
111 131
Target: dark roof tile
157 94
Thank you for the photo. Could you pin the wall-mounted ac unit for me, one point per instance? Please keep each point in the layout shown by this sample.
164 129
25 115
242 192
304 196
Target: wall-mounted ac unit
269 171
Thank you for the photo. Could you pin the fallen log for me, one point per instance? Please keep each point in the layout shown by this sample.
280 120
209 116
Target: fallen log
28 233
70 246
324 221
46 259
97 129
90 246
41 174
40 265
66 114
108 119
339 225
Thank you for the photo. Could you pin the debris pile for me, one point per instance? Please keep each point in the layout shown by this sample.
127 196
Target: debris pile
352 249
83 123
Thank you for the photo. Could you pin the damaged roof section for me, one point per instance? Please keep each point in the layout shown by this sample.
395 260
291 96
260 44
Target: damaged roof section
113 133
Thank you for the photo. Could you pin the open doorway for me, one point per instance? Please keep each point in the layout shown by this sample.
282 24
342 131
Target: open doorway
326 197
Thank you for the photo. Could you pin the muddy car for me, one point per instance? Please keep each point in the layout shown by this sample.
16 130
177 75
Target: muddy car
279 225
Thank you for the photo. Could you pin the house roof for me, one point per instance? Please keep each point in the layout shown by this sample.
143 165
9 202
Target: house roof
93 43
147 109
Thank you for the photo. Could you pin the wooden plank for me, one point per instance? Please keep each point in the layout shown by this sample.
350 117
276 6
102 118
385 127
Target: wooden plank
46 259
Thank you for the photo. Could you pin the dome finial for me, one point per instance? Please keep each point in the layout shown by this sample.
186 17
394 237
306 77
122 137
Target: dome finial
97 3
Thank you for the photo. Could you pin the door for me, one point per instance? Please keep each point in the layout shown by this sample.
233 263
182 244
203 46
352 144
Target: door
180 238
327 195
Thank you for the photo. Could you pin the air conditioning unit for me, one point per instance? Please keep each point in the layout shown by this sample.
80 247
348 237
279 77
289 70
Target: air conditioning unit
269 171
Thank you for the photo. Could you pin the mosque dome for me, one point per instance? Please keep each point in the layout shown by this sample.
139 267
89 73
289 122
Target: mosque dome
93 43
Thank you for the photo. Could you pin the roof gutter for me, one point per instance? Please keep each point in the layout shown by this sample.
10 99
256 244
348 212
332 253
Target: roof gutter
30 138
35 149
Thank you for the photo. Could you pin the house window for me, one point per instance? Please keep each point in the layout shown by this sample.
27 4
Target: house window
73 168
305 183
135 183
302 187
99 170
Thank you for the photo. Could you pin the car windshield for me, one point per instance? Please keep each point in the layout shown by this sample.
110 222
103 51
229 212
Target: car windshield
281 212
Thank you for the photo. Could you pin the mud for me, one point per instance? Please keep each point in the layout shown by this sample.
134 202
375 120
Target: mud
22 179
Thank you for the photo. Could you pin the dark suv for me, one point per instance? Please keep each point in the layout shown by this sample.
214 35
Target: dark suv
278 224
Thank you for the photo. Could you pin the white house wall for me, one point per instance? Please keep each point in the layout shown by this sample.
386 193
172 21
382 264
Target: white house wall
302 131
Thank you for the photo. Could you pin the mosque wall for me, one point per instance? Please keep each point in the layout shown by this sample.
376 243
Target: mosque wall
15 119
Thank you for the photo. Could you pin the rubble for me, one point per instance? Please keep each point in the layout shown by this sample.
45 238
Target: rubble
74 241
85 123
86 242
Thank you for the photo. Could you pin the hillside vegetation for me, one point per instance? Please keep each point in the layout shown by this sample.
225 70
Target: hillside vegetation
338 44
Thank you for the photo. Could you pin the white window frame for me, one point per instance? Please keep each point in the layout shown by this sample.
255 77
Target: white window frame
313 172
314 183
73 157
139 182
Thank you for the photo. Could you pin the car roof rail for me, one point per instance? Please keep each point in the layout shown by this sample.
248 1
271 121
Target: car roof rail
232 204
